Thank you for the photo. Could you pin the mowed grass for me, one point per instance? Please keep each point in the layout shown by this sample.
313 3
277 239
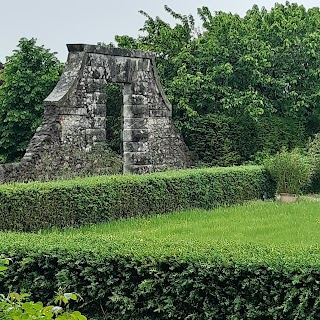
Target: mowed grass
258 231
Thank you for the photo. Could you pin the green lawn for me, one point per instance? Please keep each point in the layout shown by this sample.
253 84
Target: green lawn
257 222
257 230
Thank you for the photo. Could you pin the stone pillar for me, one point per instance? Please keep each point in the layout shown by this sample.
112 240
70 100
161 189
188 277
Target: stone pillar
135 134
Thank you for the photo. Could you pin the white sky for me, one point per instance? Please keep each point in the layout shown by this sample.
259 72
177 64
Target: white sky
56 23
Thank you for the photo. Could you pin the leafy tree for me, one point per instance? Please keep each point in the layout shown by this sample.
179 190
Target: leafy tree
1 68
29 75
260 70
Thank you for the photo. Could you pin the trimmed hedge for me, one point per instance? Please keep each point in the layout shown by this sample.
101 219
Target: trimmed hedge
133 287
71 203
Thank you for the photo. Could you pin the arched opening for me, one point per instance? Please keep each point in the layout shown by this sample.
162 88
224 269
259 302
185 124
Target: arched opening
85 114
114 106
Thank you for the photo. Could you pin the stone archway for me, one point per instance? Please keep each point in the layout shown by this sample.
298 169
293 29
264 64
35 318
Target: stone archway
75 112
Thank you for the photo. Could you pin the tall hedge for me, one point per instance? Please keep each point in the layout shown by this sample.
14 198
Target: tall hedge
34 206
121 287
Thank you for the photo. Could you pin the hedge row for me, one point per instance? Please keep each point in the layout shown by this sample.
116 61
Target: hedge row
131 287
35 206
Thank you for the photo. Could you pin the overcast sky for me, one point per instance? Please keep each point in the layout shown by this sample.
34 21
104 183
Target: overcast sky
56 23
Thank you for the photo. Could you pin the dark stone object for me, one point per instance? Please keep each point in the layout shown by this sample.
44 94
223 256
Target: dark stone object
75 115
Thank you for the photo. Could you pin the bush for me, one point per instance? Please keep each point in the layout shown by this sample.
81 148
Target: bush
220 140
313 151
34 206
275 132
210 138
291 171
132 287
16 306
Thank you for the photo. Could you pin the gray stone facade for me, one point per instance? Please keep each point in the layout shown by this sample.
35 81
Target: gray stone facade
75 114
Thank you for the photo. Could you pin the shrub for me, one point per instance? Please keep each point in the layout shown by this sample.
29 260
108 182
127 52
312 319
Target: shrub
290 169
34 206
276 132
210 138
15 306
216 286
313 151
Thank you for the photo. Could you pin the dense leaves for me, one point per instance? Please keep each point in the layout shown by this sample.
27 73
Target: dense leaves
130 287
29 75
262 70
1 68
114 103
291 170
15 306
34 206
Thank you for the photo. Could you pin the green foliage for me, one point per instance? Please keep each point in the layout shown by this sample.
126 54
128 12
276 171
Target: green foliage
313 151
1 70
34 206
261 68
274 132
4 262
16 306
29 75
114 105
291 171
226 281
211 139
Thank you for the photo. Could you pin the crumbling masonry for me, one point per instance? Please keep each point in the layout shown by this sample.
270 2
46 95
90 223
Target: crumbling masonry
75 113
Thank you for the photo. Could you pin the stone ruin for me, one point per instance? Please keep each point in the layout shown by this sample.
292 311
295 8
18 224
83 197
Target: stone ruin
75 114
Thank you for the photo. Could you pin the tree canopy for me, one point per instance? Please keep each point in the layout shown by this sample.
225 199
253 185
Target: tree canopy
259 72
28 76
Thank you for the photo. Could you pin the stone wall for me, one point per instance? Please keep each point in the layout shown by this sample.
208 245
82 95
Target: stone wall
75 114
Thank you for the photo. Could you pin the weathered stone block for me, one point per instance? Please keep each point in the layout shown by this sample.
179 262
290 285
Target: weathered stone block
144 65
135 123
122 70
127 99
137 169
98 110
139 99
159 113
135 146
98 73
159 123
127 89
71 122
94 85
135 135
73 111
140 88
95 135
141 76
99 97
99 122
136 158
135 111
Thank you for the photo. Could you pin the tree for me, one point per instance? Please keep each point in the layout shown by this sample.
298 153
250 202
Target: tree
1 68
29 75
261 70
